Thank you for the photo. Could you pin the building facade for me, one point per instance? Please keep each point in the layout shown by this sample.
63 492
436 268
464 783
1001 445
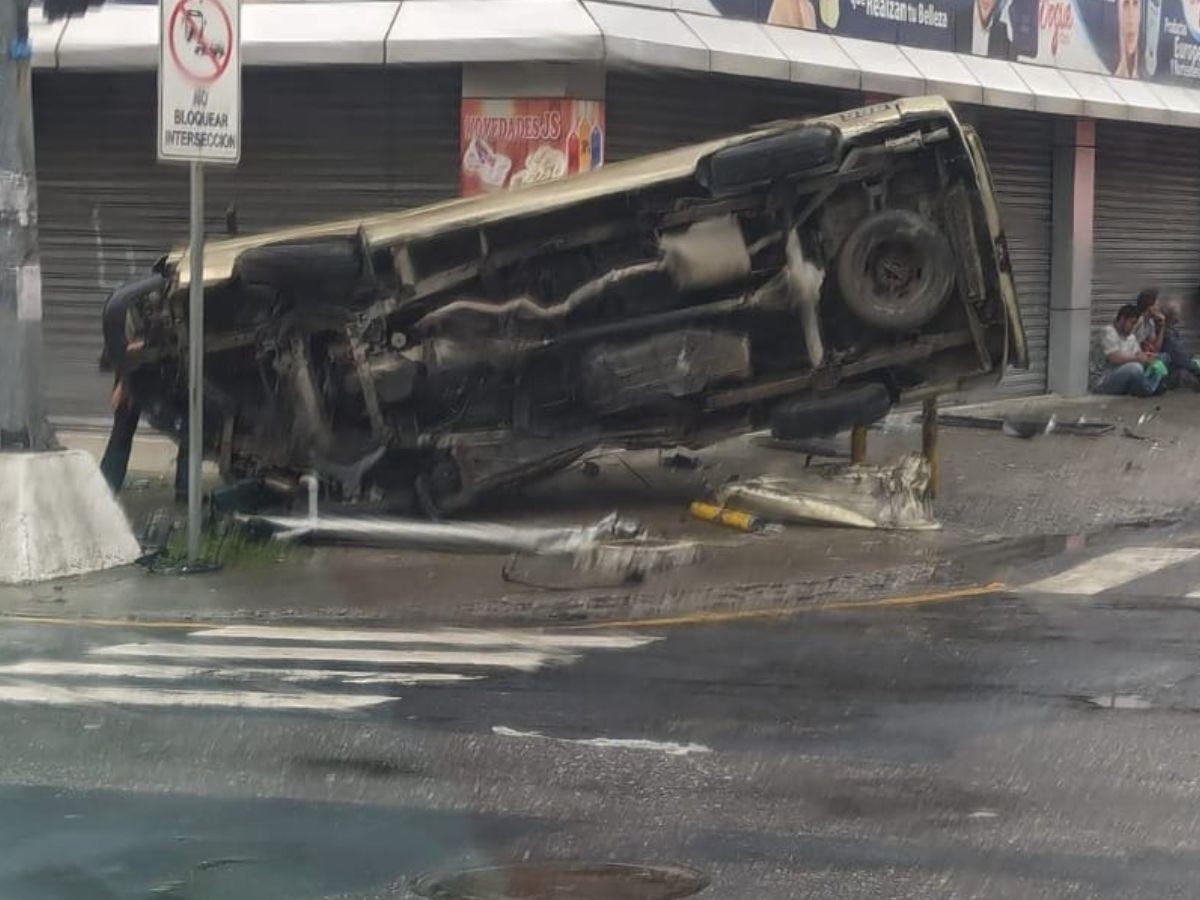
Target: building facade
371 105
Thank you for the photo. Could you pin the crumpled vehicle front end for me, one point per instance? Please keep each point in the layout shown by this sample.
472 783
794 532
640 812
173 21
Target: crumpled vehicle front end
804 276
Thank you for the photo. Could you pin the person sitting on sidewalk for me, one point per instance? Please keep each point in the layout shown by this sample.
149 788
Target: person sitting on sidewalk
1121 366
1183 366
1149 329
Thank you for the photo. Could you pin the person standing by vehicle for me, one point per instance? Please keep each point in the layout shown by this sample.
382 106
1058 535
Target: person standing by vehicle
1121 366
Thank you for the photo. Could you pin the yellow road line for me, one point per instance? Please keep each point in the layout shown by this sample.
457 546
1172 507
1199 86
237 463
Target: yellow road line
696 618
703 618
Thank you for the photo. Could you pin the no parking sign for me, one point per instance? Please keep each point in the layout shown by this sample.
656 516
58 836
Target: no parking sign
200 81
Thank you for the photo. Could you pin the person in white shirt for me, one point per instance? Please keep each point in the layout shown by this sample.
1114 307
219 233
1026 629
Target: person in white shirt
1120 366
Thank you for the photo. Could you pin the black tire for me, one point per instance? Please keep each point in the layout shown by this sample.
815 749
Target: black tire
895 270
762 161
330 268
803 418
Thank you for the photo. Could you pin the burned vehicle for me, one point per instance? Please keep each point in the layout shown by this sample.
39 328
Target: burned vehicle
805 276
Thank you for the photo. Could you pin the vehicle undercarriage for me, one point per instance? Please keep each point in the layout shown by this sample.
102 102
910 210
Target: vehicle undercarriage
805 277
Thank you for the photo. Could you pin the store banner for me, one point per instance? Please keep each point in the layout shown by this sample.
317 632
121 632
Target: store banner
1153 40
1172 39
916 23
509 143
1068 34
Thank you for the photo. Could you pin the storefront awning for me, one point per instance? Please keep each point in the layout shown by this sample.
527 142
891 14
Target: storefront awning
671 34
433 31
117 36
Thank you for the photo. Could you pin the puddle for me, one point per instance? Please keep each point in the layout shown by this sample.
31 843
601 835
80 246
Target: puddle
1118 701
560 880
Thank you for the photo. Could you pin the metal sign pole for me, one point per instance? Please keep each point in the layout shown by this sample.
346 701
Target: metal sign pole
199 121
195 361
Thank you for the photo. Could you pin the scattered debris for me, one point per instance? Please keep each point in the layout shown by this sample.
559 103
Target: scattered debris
679 461
468 537
862 496
606 564
636 557
730 518
1027 428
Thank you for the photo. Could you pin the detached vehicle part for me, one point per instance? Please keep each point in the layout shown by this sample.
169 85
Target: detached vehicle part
806 275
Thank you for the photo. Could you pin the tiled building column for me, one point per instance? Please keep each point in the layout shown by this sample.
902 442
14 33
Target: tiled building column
1071 259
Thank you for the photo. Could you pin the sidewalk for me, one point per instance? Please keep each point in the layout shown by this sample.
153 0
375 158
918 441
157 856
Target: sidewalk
993 488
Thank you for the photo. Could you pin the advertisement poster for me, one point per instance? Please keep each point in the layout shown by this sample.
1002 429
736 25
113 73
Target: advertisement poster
1152 40
915 23
1085 35
1171 38
505 144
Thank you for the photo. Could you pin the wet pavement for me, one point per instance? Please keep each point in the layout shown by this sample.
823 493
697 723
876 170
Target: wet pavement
1000 497
1025 743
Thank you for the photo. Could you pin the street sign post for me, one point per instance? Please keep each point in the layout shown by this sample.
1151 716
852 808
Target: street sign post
199 121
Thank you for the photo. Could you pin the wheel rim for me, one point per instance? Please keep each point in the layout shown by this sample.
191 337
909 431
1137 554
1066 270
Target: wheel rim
893 269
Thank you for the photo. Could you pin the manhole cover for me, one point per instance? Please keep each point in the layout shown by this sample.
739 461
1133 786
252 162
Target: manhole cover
560 881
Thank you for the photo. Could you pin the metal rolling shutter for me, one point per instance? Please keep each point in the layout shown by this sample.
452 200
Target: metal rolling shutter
1020 152
650 112
1147 219
318 143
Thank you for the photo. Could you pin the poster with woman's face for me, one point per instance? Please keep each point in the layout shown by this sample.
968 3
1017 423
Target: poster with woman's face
1129 33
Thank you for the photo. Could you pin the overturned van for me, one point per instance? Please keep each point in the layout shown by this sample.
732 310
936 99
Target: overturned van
805 276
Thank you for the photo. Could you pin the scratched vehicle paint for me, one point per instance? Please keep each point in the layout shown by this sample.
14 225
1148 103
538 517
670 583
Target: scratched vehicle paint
804 276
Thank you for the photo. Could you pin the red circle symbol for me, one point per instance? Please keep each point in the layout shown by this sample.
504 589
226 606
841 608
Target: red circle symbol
204 29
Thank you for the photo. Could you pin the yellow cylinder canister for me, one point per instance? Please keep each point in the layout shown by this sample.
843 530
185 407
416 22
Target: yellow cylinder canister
730 518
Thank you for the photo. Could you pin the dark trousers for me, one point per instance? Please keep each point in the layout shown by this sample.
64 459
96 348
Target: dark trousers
115 462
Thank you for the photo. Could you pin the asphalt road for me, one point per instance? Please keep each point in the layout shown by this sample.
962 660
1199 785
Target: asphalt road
1038 742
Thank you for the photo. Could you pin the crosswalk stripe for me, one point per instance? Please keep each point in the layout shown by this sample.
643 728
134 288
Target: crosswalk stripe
60 695
522 660
462 637
261 659
1112 570
59 668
